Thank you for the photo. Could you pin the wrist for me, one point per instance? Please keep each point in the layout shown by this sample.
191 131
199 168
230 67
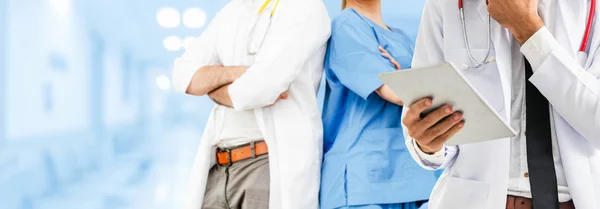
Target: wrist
429 151
233 73
523 31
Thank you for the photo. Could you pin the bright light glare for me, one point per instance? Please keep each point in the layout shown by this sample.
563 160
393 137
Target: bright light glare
194 18
168 17
161 193
188 41
163 82
61 6
172 43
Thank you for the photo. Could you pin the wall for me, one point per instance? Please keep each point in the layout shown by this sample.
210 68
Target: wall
121 98
48 91
2 71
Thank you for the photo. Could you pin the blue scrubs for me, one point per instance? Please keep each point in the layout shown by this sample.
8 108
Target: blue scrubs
366 163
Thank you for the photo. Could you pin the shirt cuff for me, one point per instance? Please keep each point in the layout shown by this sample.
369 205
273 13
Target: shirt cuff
538 47
436 159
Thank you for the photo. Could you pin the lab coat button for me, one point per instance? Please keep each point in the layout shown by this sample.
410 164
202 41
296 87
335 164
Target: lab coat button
526 174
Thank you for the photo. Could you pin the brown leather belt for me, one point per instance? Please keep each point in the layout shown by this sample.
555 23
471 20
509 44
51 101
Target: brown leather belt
513 202
251 150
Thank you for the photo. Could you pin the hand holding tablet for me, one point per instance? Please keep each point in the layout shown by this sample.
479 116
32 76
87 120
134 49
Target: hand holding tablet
444 108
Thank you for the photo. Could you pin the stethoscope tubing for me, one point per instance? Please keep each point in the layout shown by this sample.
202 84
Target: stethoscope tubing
582 48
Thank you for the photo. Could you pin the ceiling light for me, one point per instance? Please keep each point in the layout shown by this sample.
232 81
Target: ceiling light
194 18
163 82
168 17
188 41
61 6
172 43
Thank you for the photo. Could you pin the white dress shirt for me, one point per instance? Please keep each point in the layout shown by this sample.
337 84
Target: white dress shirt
234 128
518 184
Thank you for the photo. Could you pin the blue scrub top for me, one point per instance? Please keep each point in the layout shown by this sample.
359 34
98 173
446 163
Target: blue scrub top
366 160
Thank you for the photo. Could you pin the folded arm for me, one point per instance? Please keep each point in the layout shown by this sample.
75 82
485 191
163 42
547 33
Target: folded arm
573 91
221 96
210 78
296 33
385 91
196 72
387 94
356 61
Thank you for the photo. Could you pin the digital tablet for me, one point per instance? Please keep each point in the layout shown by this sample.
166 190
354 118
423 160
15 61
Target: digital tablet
445 85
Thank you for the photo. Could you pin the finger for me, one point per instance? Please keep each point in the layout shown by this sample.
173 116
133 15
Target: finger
397 65
445 125
384 52
414 111
424 128
389 57
386 55
436 116
442 139
284 95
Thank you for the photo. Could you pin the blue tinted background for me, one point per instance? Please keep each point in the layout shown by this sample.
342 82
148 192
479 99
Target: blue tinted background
86 120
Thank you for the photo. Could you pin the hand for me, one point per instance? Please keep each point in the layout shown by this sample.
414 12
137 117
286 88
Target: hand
283 95
387 55
519 16
433 130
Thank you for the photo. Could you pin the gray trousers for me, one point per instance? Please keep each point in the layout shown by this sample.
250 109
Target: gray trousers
242 185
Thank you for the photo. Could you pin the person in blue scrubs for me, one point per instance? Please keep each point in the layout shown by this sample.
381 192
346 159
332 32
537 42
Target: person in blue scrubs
366 164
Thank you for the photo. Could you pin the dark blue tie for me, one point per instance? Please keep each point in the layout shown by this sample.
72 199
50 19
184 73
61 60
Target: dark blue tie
542 174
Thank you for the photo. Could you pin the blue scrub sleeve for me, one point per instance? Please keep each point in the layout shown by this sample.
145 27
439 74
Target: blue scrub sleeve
355 59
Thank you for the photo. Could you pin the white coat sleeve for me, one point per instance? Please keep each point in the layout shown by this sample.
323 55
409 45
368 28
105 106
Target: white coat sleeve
573 91
298 30
429 49
202 52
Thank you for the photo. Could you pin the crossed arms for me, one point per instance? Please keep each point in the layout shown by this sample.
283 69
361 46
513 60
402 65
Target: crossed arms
214 81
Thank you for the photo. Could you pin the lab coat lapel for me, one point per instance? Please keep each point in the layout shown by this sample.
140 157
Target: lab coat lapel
502 45
570 24
575 164
501 40
482 10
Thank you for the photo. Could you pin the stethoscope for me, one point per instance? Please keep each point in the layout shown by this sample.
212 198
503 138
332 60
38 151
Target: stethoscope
254 48
582 55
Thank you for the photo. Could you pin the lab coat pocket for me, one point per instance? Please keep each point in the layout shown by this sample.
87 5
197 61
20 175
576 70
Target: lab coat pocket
460 193
485 78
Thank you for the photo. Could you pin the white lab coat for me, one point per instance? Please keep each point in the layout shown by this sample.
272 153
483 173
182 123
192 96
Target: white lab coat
476 175
291 58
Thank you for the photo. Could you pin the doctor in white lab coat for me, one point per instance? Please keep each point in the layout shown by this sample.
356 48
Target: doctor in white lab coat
276 79
548 33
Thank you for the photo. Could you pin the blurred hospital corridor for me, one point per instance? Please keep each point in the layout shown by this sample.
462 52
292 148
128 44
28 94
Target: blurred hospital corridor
88 117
